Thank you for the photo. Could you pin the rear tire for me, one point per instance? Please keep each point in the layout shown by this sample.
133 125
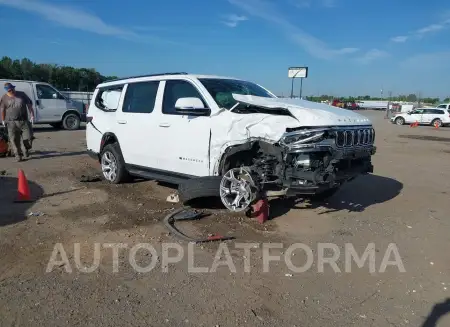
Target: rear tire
201 187
437 122
71 122
113 165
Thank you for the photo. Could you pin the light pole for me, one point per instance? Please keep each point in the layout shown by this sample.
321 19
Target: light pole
301 87
293 72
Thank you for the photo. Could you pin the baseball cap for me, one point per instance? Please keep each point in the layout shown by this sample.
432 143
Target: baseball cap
9 86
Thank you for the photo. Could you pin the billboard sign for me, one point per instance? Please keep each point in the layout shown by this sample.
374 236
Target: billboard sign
298 72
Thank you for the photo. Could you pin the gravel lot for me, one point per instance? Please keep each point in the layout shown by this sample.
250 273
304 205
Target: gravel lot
404 202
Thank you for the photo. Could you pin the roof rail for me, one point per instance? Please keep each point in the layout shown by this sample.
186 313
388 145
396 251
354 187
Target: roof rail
148 75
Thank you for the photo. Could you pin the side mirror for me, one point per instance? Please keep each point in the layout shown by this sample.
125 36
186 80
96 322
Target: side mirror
55 96
191 106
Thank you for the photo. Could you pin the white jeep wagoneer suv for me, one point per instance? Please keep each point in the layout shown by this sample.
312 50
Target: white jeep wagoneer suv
224 136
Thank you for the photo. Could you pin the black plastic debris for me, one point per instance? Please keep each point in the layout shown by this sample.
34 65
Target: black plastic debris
189 214
90 179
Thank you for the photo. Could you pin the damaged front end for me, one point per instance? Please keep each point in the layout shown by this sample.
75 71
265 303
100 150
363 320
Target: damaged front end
317 159
305 161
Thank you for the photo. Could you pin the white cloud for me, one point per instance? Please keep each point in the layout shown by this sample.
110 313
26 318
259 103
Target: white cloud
233 20
427 61
372 55
75 18
308 3
329 3
266 11
300 3
399 39
69 17
424 31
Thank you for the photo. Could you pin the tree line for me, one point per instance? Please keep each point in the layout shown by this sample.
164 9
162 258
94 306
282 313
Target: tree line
405 98
64 78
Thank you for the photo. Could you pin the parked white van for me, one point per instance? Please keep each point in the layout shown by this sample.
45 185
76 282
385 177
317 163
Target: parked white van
49 105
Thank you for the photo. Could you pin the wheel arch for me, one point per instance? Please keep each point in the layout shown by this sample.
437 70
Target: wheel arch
71 111
243 154
233 155
108 138
436 119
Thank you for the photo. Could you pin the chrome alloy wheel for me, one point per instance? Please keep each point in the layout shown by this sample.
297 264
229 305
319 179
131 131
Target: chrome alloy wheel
237 189
109 166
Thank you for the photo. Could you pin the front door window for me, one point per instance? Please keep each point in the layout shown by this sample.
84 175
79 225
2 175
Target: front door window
46 92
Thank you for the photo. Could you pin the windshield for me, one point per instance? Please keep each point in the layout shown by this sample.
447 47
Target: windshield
222 89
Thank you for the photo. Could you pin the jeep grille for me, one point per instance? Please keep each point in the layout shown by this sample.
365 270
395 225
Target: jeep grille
355 137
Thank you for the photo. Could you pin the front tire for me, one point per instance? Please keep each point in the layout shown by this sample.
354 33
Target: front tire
71 122
238 189
400 121
112 164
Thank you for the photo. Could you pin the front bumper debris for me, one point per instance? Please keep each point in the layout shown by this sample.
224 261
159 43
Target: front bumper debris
339 166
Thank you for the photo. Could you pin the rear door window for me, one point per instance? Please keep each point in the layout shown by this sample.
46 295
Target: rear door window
108 98
141 97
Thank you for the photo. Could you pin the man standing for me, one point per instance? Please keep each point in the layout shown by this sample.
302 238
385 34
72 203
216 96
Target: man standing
13 107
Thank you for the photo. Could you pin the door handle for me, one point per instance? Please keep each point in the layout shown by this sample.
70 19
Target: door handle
122 121
164 125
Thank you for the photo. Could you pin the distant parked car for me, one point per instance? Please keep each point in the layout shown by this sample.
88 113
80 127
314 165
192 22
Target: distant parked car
423 116
444 106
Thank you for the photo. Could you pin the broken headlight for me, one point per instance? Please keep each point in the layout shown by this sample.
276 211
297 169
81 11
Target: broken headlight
302 137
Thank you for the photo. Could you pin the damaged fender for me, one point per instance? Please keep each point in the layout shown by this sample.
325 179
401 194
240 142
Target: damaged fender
237 129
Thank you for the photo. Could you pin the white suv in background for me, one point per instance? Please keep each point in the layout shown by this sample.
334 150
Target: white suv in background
445 106
423 116
218 136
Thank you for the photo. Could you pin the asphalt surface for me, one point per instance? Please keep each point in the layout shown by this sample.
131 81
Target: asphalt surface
404 202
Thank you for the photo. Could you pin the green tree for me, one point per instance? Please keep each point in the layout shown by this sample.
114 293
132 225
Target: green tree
411 98
62 77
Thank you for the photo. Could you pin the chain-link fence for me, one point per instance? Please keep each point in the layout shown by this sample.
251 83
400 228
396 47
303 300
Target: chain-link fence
84 97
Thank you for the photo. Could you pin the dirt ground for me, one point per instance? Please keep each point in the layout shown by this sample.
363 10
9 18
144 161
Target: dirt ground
404 202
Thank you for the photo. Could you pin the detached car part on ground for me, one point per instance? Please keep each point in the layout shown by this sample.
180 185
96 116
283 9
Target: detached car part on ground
241 148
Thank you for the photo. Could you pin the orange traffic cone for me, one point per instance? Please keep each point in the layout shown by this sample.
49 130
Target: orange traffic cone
415 124
23 190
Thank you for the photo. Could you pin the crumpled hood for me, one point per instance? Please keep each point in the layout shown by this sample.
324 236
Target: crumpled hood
308 113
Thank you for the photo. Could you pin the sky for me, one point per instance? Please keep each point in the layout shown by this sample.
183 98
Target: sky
350 47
